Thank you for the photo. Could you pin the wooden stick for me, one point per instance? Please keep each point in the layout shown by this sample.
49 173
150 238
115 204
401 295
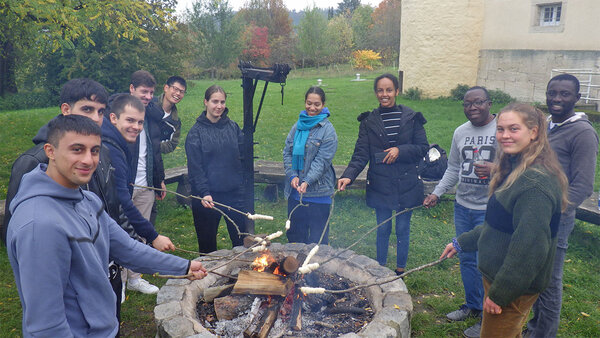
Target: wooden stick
318 322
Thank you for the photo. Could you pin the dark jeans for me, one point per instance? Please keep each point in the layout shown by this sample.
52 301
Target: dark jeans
206 220
307 223
546 310
402 236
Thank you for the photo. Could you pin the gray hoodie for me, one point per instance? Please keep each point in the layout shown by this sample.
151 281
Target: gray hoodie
59 243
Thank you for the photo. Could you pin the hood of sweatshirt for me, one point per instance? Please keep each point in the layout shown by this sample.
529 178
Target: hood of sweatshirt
111 132
202 119
42 135
36 183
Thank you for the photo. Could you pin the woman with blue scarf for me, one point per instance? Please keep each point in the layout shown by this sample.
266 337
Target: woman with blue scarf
309 150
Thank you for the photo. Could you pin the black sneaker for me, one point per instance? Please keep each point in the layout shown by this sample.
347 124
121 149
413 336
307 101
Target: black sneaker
463 313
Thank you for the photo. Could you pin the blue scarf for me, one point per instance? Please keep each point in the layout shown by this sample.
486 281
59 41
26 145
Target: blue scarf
303 127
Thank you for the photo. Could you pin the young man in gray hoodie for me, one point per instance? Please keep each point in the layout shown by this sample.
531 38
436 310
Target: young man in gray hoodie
474 136
575 142
60 241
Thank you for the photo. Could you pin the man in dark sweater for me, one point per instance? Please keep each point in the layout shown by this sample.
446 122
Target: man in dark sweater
575 142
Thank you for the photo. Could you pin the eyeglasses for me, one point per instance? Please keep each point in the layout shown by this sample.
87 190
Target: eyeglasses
178 91
477 104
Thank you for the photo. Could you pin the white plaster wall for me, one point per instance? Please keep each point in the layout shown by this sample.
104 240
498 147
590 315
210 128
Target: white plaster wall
513 24
440 43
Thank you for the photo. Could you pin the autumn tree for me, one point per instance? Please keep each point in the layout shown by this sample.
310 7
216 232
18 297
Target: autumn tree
385 34
361 26
347 7
312 37
339 40
275 16
218 34
256 48
62 26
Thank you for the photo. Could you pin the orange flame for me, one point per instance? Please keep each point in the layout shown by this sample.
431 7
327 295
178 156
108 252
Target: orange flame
261 262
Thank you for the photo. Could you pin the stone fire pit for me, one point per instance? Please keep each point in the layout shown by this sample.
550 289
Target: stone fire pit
176 316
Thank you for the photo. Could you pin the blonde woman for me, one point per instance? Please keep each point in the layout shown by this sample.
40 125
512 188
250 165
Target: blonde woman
517 241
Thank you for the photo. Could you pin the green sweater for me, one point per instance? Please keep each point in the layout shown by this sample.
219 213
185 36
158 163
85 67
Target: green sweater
516 244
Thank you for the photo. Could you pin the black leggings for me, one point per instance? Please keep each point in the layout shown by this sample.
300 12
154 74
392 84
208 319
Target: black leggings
206 221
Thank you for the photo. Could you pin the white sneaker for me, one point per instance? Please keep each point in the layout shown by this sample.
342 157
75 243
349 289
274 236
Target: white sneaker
142 286
123 293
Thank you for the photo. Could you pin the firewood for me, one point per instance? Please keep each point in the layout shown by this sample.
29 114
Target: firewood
230 307
270 318
211 293
290 265
260 283
296 316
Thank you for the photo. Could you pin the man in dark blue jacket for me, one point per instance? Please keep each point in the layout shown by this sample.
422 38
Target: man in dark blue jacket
119 131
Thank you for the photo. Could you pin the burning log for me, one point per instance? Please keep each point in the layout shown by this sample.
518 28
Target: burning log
211 293
258 283
230 307
290 265
296 316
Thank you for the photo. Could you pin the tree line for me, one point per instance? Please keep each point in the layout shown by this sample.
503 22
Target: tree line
46 42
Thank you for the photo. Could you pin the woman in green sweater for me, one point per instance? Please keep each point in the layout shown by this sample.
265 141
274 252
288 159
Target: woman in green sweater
517 241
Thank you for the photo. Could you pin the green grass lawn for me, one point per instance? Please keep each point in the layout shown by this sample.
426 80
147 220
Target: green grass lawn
435 291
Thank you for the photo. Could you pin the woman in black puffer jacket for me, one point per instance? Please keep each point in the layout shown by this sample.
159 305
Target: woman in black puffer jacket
391 138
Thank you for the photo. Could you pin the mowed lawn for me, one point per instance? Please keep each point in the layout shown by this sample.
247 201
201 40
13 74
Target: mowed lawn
435 291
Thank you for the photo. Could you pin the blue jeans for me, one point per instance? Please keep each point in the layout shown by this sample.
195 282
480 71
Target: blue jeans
402 236
466 219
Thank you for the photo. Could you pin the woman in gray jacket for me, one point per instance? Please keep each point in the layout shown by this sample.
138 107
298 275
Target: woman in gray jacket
309 150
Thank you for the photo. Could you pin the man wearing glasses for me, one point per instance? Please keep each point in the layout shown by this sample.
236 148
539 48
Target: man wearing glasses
165 110
469 165
174 91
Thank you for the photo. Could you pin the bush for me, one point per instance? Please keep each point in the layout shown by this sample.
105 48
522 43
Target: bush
365 59
496 95
28 100
413 93
499 97
458 93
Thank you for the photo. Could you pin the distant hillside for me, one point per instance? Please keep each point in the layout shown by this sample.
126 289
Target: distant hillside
297 16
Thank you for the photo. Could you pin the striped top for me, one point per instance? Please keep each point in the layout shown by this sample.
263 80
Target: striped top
391 122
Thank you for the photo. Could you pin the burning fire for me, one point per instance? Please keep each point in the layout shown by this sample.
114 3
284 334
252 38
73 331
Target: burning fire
262 262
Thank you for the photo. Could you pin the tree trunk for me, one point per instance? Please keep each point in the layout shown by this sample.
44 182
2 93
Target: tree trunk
7 69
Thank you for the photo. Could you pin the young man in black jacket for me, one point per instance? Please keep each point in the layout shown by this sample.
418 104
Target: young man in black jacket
144 167
165 111
88 98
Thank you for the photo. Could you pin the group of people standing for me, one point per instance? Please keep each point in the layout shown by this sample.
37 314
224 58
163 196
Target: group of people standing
514 210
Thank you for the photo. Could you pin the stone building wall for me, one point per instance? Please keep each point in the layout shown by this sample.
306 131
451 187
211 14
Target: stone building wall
440 43
524 73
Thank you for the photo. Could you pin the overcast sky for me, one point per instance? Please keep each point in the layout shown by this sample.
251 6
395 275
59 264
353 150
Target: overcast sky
298 5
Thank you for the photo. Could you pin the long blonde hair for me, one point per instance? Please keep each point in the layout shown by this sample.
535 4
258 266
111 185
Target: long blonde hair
537 152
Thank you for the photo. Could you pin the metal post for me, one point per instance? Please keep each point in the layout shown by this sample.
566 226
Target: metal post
250 77
248 149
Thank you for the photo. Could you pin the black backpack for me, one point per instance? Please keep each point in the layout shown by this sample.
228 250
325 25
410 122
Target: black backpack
433 165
